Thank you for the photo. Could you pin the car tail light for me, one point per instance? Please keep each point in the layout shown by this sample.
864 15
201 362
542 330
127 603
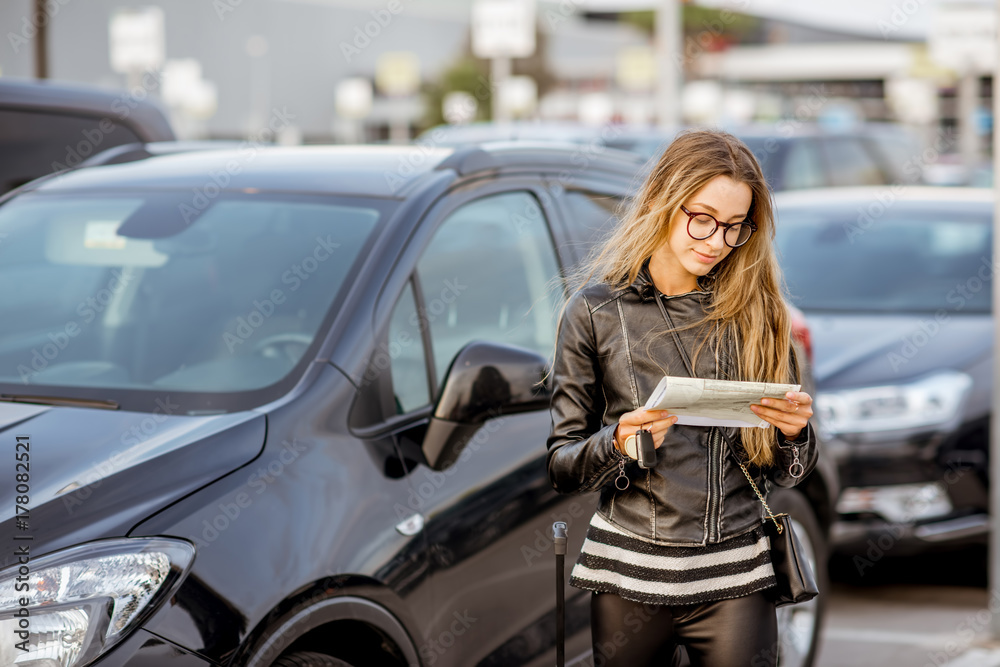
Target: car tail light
800 331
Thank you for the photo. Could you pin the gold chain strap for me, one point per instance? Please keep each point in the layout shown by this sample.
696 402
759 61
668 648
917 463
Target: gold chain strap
762 501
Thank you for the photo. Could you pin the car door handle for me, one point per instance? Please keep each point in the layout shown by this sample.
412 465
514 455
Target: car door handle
411 525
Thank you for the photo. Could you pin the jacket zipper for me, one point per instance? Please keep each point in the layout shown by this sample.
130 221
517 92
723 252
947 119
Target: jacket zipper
714 486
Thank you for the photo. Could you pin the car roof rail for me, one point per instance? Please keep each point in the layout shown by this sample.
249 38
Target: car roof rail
141 151
499 154
468 159
118 155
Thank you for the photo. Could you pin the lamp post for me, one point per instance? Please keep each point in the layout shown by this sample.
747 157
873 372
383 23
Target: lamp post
669 63
41 39
397 76
353 104
962 38
994 567
502 30
137 42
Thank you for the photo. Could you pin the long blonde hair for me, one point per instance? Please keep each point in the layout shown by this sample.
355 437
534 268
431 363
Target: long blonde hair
748 306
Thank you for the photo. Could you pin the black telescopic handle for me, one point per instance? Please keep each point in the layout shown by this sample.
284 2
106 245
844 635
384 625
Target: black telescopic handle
559 540
559 536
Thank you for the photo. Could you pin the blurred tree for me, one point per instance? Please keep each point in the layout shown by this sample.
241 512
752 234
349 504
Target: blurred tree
468 74
472 75
718 27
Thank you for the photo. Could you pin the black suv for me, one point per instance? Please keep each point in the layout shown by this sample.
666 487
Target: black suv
281 406
46 127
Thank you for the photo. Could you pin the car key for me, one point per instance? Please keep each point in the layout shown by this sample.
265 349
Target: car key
646 448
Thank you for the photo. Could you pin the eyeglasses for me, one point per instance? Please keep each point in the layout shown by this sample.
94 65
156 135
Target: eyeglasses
702 226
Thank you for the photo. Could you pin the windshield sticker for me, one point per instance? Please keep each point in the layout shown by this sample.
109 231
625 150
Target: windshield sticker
102 234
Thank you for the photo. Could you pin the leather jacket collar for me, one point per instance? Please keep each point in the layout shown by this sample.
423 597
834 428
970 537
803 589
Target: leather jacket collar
644 287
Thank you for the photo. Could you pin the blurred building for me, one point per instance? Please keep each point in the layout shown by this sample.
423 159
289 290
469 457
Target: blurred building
286 57
261 62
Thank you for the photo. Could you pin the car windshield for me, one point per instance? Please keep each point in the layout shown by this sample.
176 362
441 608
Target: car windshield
128 295
908 259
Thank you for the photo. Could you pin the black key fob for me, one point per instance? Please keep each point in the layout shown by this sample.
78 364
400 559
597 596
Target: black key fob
646 448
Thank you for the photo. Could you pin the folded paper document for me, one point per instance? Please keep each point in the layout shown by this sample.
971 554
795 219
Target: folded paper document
706 402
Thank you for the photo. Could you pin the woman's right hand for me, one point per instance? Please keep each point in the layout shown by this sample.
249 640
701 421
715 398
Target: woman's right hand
655 421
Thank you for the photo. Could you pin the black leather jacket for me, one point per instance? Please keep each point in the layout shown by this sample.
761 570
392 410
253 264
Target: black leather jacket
611 352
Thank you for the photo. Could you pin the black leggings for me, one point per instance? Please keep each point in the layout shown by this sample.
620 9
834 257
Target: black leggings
742 632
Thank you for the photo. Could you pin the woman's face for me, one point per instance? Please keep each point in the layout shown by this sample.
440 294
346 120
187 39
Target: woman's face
724 199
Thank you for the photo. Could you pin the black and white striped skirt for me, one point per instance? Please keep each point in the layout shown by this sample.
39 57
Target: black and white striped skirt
613 561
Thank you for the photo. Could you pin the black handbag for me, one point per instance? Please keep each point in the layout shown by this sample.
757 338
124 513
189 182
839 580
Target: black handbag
796 581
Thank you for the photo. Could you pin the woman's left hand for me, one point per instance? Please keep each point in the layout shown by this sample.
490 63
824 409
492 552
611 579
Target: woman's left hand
789 414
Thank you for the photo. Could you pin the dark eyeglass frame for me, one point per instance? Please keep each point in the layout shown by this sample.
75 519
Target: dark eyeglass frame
725 227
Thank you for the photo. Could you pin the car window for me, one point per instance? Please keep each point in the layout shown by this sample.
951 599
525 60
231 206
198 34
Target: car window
591 216
804 166
849 163
909 259
490 273
406 349
36 143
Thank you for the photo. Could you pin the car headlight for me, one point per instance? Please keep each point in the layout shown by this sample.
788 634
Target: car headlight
67 608
930 403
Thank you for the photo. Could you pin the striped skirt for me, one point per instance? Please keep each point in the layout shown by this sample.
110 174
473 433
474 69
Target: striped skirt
613 561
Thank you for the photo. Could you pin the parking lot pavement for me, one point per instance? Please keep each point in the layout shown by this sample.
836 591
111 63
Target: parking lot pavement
913 612
907 625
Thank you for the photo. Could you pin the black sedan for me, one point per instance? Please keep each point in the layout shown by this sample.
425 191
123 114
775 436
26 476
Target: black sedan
280 406
896 284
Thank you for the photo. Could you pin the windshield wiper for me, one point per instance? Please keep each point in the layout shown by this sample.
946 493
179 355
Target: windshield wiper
60 400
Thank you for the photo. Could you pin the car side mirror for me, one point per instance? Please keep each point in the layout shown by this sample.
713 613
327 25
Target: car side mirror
485 380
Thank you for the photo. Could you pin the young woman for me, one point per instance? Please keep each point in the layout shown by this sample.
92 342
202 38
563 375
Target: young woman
675 554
